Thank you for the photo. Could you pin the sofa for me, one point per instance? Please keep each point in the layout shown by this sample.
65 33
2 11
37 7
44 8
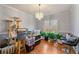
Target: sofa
71 40
5 48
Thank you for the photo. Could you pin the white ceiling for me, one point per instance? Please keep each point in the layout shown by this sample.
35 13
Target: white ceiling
47 9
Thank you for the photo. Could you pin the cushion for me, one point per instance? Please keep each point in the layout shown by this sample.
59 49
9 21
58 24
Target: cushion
3 40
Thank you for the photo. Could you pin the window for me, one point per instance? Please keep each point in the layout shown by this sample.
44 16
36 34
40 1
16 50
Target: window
50 25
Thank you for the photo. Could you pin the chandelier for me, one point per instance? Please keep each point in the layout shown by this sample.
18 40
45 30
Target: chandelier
39 15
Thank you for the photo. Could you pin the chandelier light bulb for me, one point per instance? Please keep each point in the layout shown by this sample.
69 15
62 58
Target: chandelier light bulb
39 15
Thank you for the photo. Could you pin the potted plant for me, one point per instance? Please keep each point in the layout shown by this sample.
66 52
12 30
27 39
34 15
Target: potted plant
44 34
51 36
59 38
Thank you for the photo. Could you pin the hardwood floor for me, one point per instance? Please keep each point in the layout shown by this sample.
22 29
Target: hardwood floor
46 47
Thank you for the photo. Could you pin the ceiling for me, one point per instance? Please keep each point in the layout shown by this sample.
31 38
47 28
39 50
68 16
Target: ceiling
47 9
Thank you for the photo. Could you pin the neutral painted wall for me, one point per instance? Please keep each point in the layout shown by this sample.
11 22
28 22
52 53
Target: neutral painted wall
7 11
28 21
75 19
63 20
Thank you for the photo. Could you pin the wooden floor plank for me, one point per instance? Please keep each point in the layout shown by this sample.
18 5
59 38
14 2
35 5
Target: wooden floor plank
46 47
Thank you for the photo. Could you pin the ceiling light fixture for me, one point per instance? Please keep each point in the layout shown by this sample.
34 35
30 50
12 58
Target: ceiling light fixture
39 15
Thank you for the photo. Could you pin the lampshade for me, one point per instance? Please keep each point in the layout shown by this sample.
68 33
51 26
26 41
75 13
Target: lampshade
39 15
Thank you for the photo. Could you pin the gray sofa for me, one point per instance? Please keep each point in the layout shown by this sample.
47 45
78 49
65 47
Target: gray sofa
71 40
5 48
